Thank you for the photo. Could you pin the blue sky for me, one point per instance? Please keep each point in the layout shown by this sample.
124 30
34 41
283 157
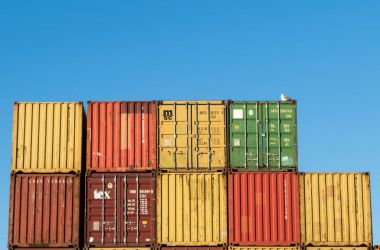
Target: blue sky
326 54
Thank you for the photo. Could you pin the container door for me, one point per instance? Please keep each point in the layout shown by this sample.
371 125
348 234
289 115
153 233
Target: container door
263 136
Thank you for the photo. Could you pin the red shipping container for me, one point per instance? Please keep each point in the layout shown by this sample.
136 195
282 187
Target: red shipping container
44 210
42 248
121 209
121 136
263 208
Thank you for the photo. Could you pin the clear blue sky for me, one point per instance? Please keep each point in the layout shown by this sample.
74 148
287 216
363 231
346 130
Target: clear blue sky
324 53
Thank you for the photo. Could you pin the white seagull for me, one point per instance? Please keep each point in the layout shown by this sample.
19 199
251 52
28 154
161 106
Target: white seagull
285 98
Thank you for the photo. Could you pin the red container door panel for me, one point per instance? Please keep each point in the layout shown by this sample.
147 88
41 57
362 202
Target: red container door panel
264 208
44 210
120 209
121 136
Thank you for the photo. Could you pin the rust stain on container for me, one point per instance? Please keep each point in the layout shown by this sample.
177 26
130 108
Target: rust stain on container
192 209
263 208
120 209
47 137
335 209
44 210
121 136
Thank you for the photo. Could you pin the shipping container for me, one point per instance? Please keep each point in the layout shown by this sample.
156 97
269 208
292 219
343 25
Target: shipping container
191 209
192 135
263 136
263 208
264 248
47 137
338 248
121 136
44 210
335 209
120 248
42 248
120 209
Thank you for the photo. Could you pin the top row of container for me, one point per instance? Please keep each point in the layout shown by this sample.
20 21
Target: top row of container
149 135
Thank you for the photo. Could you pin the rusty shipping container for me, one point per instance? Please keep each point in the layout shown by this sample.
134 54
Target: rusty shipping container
335 209
44 210
120 209
47 137
192 209
264 248
192 135
121 136
263 208
42 248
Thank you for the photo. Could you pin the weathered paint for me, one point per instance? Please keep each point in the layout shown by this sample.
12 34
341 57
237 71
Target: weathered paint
263 208
264 248
42 248
191 209
120 209
121 136
192 135
44 210
263 136
335 209
47 137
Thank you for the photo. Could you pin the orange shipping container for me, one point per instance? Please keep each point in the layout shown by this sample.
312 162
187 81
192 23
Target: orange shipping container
121 136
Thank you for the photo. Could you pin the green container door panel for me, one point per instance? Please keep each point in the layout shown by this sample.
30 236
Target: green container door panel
261 138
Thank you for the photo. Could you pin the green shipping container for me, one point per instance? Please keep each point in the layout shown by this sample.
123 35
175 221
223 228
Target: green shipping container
263 136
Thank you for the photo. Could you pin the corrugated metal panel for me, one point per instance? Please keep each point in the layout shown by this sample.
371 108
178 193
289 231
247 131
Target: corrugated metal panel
121 209
335 209
43 248
44 210
191 209
263 136
264 248
337 248
121 136
192 135
263 208
47 137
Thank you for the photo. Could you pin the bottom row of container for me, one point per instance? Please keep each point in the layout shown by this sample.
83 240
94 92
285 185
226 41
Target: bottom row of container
215 248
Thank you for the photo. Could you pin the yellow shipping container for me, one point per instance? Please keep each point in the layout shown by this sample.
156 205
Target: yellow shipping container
191 209
264 248
47 137
192 135
335 209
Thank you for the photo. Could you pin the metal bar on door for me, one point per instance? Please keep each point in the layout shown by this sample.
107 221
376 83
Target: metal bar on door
114 210
209 137
279 135
137 209
267 134
245 135
257 135
103 222
125 209
175 135
187 135
196 134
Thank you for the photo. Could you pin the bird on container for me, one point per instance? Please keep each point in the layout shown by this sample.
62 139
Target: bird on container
285 98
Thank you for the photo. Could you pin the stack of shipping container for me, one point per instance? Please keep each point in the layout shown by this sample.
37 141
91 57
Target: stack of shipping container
263 188
192 180
121 175
45 193
176 175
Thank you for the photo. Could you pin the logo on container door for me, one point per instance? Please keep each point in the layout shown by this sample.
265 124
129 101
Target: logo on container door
99 195
168 114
